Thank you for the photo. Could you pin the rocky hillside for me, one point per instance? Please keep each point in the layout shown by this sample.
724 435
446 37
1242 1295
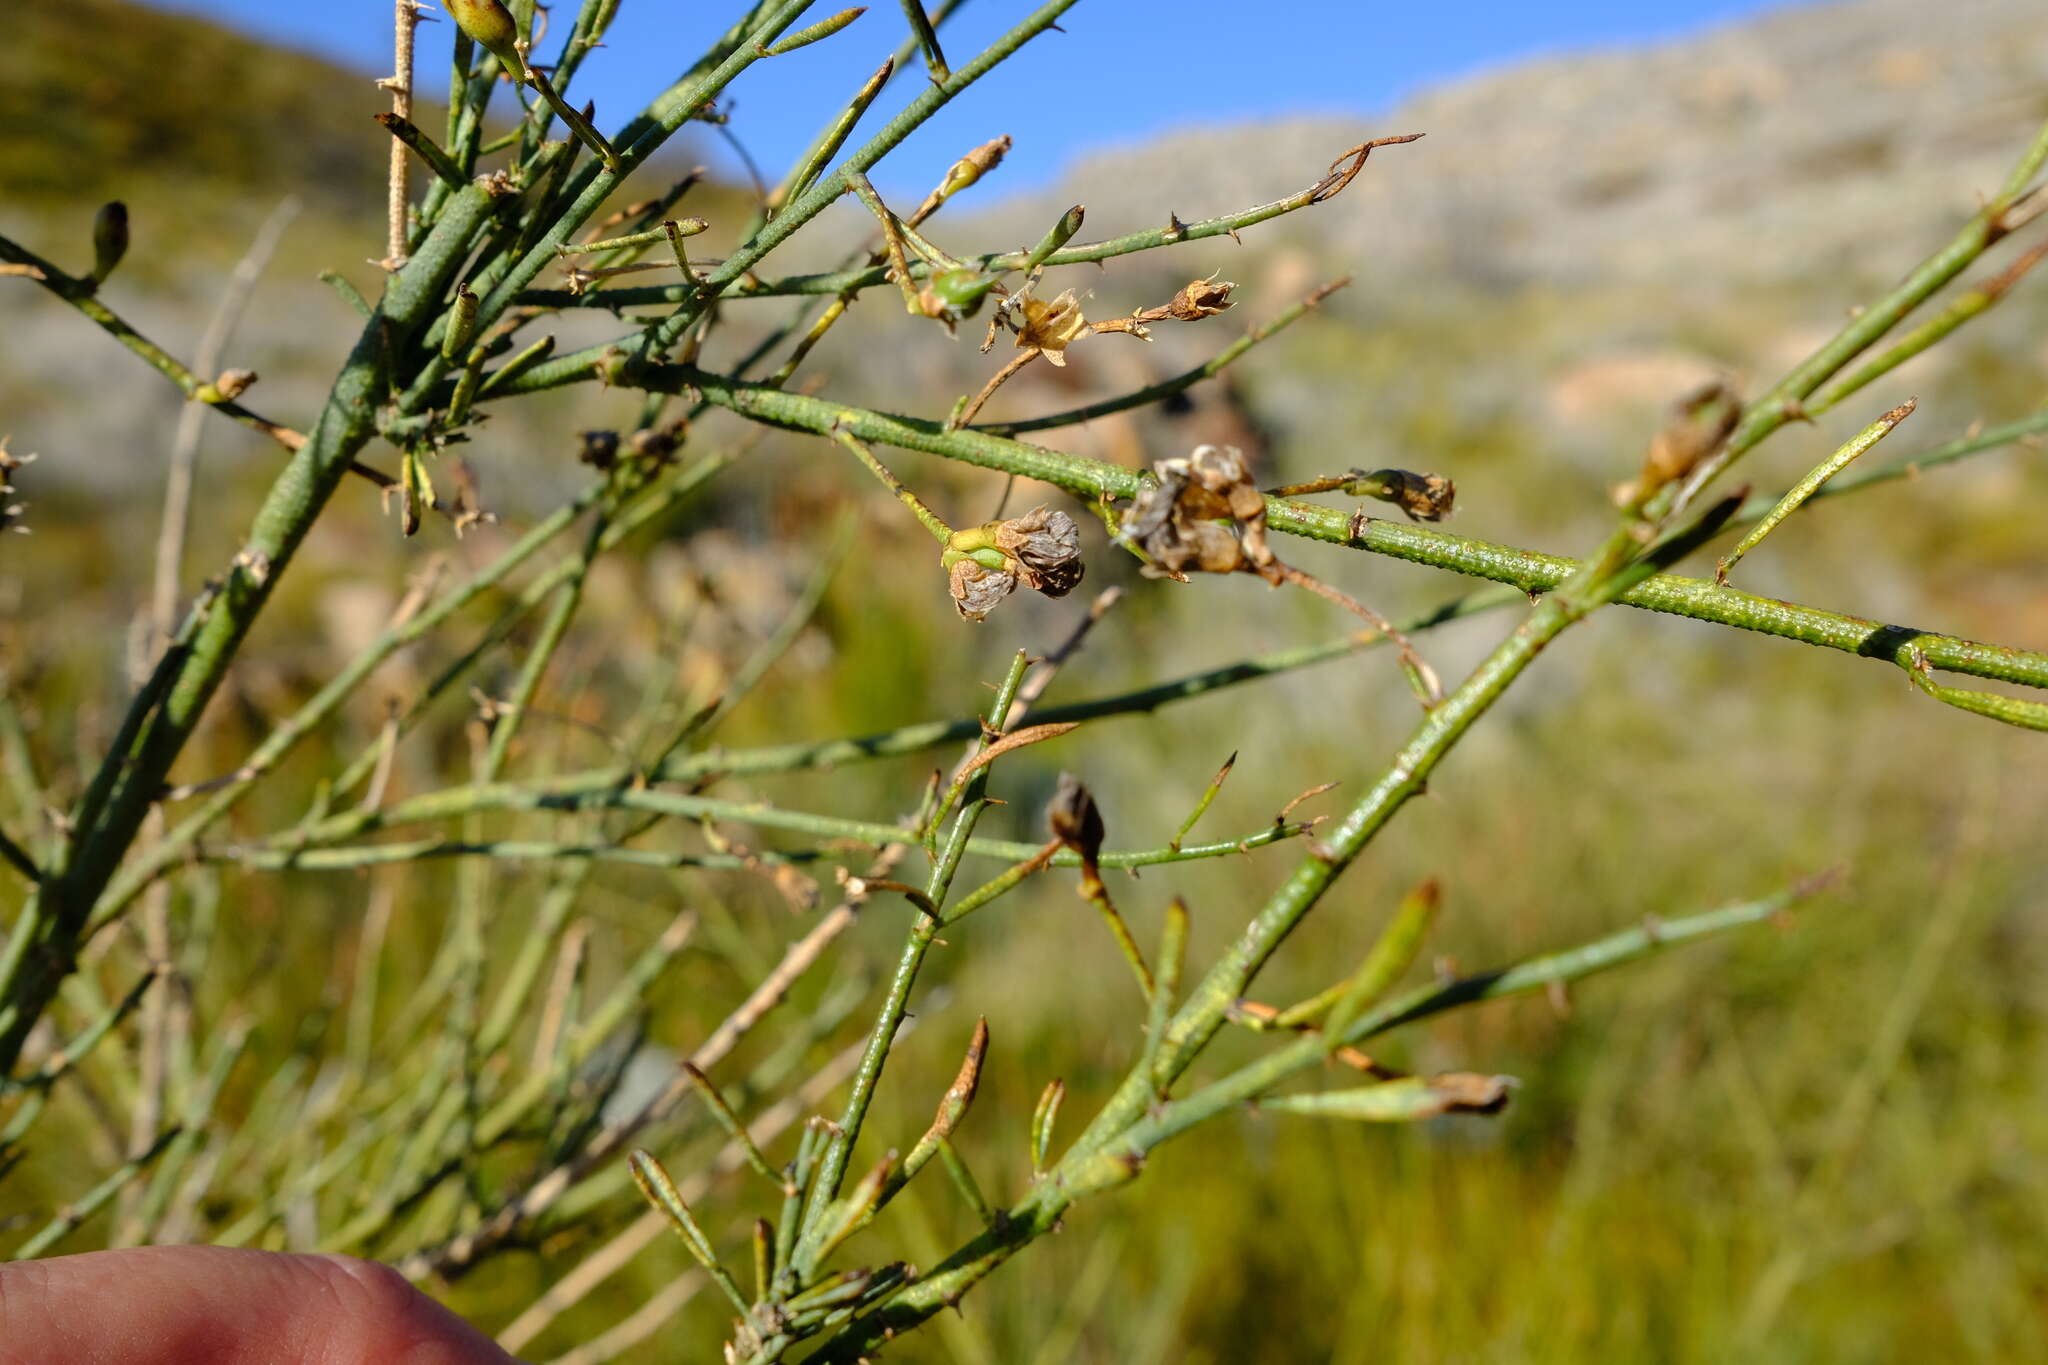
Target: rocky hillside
1761 150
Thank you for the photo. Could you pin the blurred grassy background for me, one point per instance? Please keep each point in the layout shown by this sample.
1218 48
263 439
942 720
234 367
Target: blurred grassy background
1824 1142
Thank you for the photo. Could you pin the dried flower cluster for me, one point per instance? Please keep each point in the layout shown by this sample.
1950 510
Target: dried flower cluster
1040 550
1203 515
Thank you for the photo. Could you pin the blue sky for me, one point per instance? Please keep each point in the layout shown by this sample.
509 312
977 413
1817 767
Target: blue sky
1123 69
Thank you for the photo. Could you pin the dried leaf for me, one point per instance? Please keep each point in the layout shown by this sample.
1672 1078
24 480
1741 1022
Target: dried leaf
1016 739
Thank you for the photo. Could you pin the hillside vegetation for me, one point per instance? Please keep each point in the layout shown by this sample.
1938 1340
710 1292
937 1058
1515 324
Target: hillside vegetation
1825 1143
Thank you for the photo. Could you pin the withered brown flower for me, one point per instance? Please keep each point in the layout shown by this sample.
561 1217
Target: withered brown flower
1046 549
1424 497
1048 327
984 564
1698 424
977 589
1197 300
1203 515
1073 818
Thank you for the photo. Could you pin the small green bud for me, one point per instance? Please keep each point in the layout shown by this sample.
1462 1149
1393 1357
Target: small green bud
109 239
1062 232
491 26
461 324
815 33
972 167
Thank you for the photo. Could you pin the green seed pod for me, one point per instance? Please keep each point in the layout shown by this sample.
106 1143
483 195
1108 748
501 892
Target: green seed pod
960 292
109 239
491 25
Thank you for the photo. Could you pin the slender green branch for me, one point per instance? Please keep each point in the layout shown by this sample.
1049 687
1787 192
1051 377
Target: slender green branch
858 278
1816 478
39 953
1531 572
1082 1174
728 275
1783 402
407 132
927 38
929 519
80 294
1925 337
17 858
923 930
224 795
317 845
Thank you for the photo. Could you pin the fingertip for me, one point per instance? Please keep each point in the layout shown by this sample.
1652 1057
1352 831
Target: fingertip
226 1306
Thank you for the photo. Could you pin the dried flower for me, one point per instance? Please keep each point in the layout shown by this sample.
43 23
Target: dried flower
1074 820
1698 424
1197 300
600 449
1048 328
1204 515
977 589
1424 497
1046 548
984 564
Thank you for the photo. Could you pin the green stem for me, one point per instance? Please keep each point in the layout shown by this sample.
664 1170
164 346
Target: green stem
1531 572
576 366
40 953
1816 478
832 1165
940 531
1083 1173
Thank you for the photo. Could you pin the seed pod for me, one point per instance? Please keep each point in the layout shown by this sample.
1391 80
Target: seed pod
957 293
109 239
491 26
